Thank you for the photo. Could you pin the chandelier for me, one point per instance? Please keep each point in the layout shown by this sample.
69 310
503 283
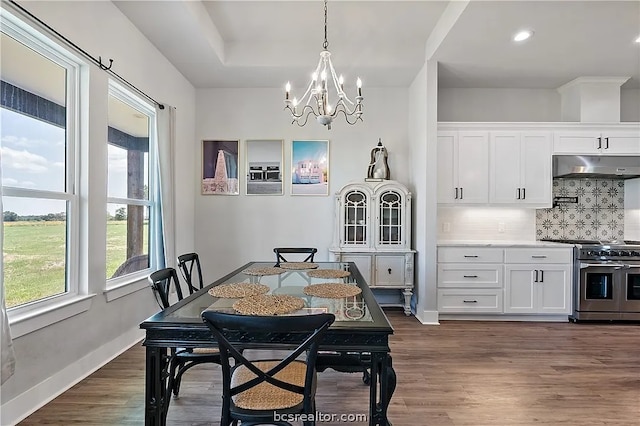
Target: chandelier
317 95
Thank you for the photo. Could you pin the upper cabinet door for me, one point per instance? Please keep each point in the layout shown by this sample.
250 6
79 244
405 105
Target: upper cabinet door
621 143
473 167
520 171
504 175
447 180
463 167
536 175
577 142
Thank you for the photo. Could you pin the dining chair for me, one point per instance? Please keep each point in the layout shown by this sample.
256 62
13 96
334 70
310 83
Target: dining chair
191 271
255 392
308 251
182 359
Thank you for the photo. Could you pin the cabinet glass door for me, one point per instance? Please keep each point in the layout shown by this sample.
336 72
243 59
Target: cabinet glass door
355 218
390 228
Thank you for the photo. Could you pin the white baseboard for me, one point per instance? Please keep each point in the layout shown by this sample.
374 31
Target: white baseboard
28 402
428 317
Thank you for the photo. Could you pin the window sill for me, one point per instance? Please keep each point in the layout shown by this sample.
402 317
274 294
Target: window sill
27 322
132 283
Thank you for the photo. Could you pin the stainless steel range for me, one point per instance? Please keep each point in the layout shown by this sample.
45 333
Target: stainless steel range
606 281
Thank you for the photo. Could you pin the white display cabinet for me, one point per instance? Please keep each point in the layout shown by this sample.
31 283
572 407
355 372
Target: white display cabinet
373 230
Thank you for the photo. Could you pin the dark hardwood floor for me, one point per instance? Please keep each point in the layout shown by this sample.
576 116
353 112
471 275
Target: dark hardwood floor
459 373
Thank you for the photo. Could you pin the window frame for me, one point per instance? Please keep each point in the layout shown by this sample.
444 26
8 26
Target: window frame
126 284
39 313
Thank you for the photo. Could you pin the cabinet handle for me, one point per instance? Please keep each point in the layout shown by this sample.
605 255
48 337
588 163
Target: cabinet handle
470 276
536 276
461 196
606 141
599 143
456 193
470 255
538 256
541 276
518 193
524 193
389 270
470 301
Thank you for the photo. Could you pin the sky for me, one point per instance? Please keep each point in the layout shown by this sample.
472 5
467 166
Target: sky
33 157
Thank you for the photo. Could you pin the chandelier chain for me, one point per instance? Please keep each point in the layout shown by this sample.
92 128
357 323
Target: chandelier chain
325 45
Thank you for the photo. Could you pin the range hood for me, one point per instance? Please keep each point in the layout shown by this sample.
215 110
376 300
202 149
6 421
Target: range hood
595 166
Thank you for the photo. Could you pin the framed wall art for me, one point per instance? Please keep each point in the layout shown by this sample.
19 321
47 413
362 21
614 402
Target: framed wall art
310 167
264 166
220 167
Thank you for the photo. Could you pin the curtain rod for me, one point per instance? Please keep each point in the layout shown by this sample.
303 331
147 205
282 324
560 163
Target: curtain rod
98 61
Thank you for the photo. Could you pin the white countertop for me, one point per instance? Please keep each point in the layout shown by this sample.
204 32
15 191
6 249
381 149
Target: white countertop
499 243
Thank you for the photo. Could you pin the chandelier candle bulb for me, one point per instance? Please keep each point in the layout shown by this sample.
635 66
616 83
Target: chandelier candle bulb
287 89
359 85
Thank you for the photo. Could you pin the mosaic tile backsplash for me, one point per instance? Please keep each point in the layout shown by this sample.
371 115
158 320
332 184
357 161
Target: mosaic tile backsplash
598 214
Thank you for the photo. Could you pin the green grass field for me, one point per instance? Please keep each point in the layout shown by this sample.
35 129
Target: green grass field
34 258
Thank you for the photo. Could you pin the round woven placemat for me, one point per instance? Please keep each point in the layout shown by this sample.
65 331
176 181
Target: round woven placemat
263 271
328 273
298 265
238 290
332 290
268 304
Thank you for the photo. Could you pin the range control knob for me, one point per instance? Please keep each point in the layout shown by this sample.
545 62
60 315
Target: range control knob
604 253
635 253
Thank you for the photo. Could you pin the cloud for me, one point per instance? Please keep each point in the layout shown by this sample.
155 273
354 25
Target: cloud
22 142
6 181
23 161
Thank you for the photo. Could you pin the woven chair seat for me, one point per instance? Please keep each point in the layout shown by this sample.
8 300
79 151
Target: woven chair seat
206 351
265 396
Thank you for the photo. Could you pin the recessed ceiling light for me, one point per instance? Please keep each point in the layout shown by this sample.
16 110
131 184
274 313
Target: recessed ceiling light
522 35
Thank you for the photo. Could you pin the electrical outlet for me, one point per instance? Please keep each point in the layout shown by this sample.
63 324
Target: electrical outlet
446 227
501 227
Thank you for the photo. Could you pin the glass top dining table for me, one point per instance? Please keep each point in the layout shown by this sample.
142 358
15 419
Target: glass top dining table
360 332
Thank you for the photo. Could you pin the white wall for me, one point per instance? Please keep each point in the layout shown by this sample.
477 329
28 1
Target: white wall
485 223
60 354
422 124
234 229
509 105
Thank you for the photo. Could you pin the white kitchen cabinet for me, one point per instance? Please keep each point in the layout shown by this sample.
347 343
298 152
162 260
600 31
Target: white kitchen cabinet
463 167
513 282
470 279
538 281
537 290
593 142
373 230
520 172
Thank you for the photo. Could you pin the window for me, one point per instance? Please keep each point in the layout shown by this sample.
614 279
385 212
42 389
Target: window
38 131
130 189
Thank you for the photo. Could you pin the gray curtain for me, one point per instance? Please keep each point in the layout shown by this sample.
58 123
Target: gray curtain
165 220
6 345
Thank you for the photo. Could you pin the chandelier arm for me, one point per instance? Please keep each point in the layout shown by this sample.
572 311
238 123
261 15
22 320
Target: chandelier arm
347 116
306 118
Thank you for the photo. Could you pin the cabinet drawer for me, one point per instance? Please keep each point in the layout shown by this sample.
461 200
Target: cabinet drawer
468 300
470 276
363 262
539 256
390 271
470 255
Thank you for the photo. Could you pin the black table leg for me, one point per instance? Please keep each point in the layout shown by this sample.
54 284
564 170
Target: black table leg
382 373
156 398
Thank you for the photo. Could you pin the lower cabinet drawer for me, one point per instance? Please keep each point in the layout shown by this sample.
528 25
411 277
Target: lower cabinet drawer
463 300
462 275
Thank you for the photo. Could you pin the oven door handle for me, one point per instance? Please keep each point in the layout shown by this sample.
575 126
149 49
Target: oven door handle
605 265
